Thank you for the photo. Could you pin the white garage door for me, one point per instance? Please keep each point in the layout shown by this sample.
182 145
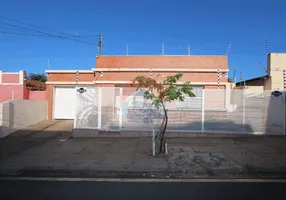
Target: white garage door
64 104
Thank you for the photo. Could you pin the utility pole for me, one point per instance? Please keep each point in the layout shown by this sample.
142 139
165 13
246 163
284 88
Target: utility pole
100 45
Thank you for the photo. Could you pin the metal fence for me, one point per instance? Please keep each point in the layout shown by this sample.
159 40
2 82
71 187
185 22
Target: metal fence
211 111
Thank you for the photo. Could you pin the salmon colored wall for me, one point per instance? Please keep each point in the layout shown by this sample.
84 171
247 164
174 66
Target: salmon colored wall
6 92
11 87
20 92
10 78
36 95
26 93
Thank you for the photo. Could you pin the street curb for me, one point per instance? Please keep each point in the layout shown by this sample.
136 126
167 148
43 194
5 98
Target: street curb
145 180
60 173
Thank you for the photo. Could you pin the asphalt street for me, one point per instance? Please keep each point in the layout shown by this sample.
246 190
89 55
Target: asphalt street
80 190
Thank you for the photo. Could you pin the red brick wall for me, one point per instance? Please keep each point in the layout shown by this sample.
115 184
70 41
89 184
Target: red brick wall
187 76
71 77
195 62
104 85
49 97
130 76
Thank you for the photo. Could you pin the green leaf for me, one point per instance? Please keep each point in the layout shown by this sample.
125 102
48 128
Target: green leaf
170 93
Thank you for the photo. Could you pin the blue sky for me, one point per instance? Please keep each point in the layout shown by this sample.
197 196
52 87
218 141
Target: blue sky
209 26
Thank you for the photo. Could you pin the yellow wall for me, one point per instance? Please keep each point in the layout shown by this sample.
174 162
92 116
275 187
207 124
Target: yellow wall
267 84
254 90
276 65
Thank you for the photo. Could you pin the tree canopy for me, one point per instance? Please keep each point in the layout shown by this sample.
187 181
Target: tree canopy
166 90
37 77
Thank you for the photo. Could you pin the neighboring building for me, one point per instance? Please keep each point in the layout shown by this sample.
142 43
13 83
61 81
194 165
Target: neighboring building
14 86
209 72
275 78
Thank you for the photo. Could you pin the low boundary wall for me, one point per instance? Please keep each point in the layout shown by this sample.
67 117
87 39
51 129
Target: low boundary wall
18 114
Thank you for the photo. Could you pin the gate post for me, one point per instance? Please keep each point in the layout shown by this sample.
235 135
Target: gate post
243 110
203 109
120 110
99 102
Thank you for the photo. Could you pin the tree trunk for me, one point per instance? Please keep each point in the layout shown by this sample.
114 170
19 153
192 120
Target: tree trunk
164 123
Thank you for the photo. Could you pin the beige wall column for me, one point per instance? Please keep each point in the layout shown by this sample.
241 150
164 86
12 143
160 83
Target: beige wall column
227 94
276 66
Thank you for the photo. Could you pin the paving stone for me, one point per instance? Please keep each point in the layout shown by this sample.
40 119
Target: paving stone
116 160
250 160
177 148
259 148
145 161
278 160
205 148
78 133
127 145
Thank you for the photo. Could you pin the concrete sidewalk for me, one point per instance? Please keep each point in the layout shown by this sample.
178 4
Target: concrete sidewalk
49 147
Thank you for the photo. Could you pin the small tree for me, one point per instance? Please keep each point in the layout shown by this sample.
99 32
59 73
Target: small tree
37 77
36 82
160 92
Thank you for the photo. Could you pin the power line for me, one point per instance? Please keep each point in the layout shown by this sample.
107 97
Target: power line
48 34
60 32
28 34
